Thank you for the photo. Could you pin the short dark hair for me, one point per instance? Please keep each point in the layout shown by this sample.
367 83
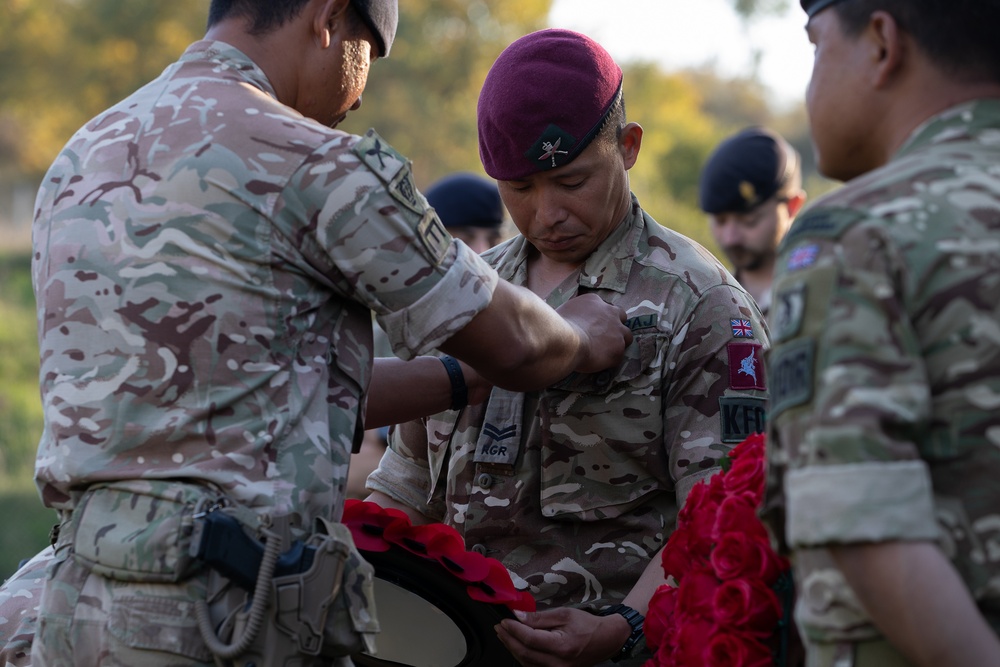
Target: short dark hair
264 15
959 35
614 121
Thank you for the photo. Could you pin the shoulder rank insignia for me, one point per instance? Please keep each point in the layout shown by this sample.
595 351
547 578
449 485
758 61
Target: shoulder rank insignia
392 168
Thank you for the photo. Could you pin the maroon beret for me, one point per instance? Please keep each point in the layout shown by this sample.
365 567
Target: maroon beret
543 101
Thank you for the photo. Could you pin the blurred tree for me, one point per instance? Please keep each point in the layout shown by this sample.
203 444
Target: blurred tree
749 9
63 61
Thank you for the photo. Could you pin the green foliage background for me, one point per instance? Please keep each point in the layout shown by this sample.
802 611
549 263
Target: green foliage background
62 61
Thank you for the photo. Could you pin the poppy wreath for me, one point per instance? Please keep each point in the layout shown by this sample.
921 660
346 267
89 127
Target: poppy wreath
733 593
378 529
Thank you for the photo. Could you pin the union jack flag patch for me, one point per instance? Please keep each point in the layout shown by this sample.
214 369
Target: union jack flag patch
741 328
803 257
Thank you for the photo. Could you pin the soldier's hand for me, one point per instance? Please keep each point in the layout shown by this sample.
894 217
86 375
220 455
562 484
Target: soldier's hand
563 637
603 329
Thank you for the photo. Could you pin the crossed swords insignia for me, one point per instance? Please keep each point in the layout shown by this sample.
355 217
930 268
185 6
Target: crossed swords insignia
551 150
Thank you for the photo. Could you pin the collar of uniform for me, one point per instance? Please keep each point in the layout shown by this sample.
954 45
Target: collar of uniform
608 267
232 59
962 122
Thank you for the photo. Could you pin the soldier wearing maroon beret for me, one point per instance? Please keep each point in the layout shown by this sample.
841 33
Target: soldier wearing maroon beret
575 488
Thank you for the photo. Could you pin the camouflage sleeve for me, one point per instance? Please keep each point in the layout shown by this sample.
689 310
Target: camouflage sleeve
716 391
849 391
375 238
404 475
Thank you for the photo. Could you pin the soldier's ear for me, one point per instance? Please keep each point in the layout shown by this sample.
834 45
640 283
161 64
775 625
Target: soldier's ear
629 143
328 17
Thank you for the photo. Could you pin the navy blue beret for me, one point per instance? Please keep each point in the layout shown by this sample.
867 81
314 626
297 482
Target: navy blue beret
814 7
466 200
745 170
381 17
545 98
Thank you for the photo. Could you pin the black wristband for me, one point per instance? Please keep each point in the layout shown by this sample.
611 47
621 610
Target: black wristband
459 392
635 621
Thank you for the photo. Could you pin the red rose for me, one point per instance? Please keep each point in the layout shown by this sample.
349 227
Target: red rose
754 445
693 637
704 496
743 555
734 649
746 476
677 559
738 515
661 624
748 605
696 593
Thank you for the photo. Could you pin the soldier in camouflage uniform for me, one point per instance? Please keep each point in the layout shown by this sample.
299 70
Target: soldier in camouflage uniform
751 189
207 255
576 488
885 367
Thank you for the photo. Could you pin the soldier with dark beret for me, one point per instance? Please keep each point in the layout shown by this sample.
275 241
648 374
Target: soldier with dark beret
884 445
470 209
576 487
751 189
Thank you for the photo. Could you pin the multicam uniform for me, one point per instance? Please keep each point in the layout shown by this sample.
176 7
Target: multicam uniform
885 375
576 487
206 260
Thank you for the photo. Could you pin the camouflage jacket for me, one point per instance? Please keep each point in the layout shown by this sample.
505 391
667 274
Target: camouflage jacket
575 488
206 262
885 369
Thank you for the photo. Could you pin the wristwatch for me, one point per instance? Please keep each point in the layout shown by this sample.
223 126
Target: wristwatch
635 620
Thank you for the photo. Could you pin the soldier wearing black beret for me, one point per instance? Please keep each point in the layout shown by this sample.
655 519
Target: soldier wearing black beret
751 189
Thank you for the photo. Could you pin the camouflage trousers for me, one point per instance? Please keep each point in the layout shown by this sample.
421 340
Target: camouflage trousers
20 596
87 619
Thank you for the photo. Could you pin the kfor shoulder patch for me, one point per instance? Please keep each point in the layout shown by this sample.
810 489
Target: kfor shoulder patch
741 417
791 374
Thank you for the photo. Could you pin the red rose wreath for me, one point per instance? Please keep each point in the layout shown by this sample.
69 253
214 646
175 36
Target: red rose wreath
729 605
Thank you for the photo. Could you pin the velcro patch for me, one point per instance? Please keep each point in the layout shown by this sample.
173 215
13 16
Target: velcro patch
746 368
741 328
825 223
792 374
641 322
497 445
789 306
741 417
802 257
434 236
379 156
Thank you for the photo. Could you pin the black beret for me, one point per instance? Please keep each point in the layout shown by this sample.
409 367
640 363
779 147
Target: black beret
814 7
381 17
745 170
466 200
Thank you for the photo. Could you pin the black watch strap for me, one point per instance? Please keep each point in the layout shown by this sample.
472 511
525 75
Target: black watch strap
459 390
635 621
